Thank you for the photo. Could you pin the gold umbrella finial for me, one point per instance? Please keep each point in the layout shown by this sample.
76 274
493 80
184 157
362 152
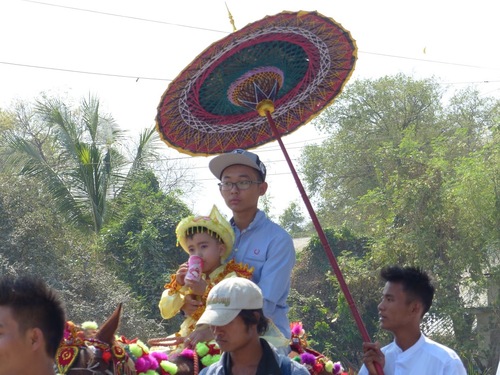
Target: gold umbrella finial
231 19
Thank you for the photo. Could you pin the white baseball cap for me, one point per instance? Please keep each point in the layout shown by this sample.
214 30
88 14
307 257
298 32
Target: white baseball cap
238 156
228 298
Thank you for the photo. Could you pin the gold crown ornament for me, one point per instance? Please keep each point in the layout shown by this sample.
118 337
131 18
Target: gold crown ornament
216 225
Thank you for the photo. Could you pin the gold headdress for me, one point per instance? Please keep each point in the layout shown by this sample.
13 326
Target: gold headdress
215 223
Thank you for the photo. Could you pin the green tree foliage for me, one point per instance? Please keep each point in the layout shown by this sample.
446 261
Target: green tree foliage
265 204
75 154
35 239
316 299
419 175
366 123
292 220
76 158
140 243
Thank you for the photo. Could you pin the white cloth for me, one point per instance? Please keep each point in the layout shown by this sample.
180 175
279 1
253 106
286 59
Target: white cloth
424 357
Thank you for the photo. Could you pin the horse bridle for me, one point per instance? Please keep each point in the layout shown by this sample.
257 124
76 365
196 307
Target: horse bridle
91 352
93 364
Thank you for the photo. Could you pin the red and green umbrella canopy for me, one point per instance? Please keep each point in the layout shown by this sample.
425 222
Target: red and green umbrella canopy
298 60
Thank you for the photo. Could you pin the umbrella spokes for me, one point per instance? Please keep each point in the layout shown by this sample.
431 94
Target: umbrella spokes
255 86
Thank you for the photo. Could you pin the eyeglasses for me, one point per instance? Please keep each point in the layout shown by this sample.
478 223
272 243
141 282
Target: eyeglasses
241 185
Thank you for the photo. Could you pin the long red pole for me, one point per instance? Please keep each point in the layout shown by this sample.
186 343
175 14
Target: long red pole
324 241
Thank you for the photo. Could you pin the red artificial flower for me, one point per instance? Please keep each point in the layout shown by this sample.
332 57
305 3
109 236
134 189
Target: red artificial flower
106 356
213 349
318 367
127 341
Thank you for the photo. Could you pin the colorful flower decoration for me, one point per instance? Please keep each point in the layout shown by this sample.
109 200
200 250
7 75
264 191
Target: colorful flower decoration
208 352
157 363
146 362
314 361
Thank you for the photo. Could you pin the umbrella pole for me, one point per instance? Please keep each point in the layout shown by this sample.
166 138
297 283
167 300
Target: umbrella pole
324 241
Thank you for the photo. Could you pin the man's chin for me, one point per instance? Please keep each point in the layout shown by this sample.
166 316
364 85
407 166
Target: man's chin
383 324
223 346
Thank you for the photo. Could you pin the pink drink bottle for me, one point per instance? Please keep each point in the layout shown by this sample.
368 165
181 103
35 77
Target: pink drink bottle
195 266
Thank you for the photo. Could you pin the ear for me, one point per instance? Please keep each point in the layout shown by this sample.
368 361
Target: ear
416 308
222 249
35 335
107 331
263 188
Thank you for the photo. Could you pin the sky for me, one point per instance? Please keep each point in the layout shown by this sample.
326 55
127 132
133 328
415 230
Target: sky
127 52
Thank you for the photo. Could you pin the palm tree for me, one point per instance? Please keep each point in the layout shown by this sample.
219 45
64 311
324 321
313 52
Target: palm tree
77 156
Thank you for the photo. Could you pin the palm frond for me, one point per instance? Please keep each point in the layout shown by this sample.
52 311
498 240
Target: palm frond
84 166
33 164
146 149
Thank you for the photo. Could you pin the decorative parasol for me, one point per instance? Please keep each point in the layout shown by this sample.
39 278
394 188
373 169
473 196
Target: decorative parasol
256 85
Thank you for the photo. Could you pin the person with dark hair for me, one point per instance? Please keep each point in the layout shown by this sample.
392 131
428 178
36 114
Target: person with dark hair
234 314
260 243
407 296
32 321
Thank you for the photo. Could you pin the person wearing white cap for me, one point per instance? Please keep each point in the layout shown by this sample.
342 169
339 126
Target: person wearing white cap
260 243
234 314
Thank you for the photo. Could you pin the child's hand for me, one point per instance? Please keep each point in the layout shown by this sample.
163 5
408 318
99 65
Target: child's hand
197 287
191 304
181 274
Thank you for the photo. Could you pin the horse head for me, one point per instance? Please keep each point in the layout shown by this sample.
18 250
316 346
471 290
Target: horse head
101 355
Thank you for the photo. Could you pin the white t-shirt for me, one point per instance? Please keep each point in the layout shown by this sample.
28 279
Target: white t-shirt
424 357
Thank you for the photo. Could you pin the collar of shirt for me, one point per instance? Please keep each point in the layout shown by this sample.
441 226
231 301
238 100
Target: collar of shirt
259 217
267 364
411 350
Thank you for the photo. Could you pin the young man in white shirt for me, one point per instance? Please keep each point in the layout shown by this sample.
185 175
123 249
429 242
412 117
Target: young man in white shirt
407 296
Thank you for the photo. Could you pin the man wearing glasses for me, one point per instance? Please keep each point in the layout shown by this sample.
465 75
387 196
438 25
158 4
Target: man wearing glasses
260 243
